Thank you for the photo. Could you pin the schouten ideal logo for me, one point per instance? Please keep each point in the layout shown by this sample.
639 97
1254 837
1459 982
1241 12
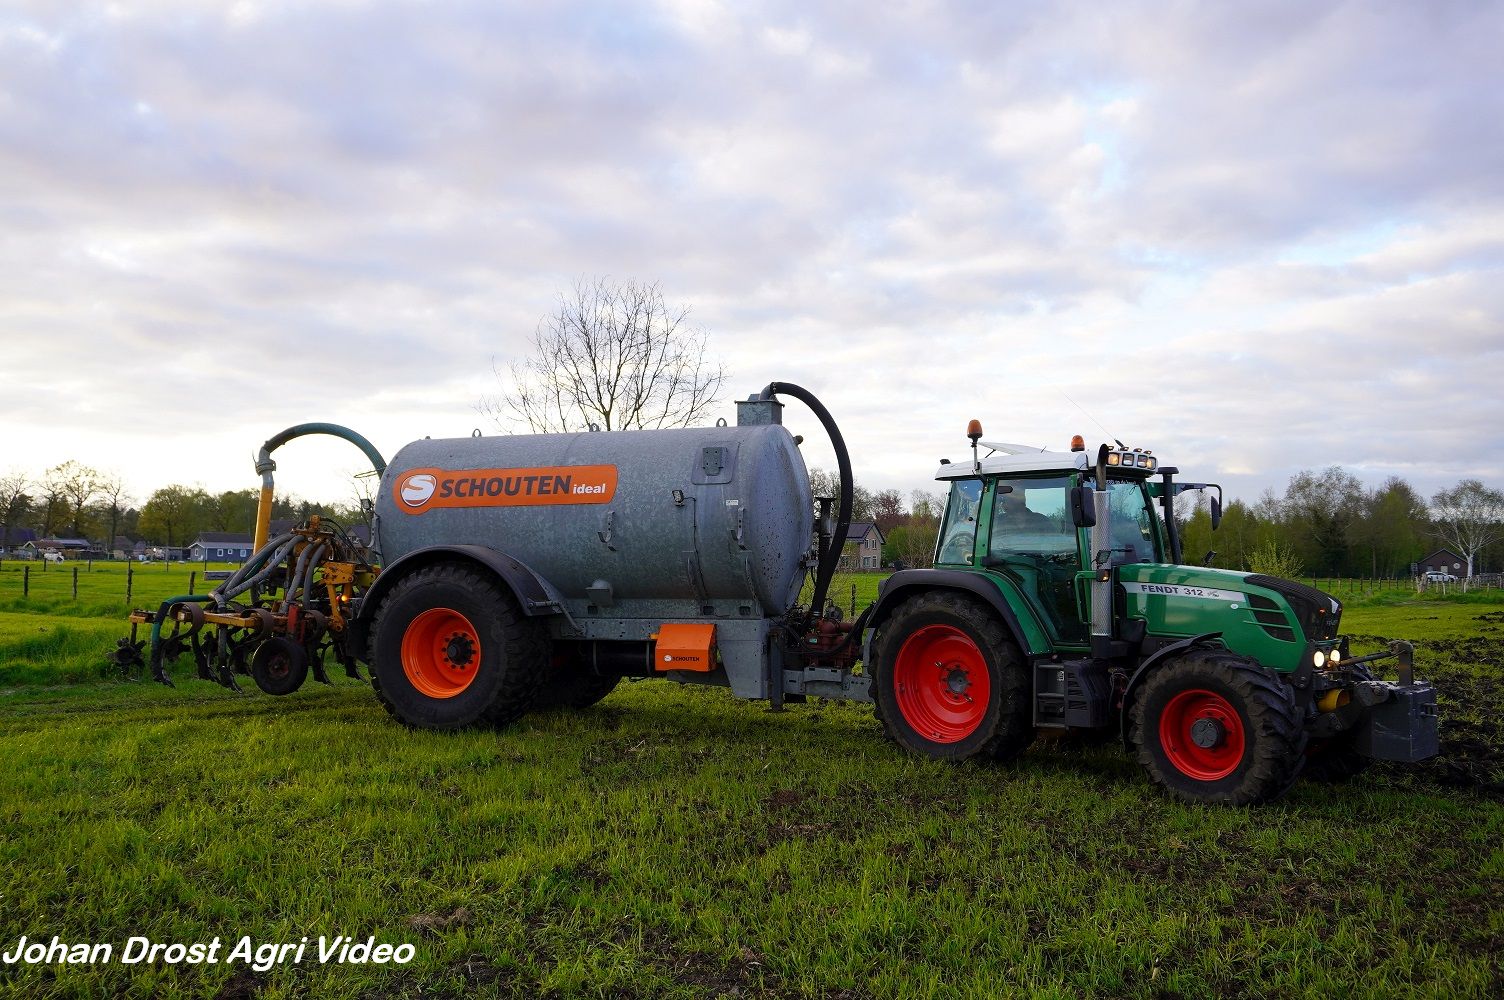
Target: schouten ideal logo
418 491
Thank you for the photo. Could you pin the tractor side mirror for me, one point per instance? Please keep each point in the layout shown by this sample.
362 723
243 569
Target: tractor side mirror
1216 512
1083 508
1210 555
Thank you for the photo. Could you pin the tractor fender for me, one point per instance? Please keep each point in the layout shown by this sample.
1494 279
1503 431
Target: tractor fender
1153 660
534 594
909 582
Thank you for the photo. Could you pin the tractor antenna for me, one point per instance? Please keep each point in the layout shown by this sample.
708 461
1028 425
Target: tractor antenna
1078 406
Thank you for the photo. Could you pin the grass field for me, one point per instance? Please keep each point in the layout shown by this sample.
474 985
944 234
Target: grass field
675 842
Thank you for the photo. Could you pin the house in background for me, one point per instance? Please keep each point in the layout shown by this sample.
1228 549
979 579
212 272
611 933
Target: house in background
16 536
1442 561
863 548
220 546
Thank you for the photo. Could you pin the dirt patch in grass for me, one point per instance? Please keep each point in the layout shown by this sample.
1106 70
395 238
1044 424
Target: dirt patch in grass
243 985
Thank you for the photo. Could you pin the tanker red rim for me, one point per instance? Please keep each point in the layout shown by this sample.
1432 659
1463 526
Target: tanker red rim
942 683
440 653
1218 718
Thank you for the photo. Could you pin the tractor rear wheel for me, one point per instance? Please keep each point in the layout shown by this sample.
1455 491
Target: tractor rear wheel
950 681
450 648
1212 726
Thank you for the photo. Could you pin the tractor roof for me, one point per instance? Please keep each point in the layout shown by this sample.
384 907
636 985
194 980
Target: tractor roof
1022 459
1015 458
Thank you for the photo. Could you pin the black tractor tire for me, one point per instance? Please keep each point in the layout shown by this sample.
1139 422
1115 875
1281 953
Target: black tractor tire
450 648
1215 727
279 666
570 683
929 657
1334 760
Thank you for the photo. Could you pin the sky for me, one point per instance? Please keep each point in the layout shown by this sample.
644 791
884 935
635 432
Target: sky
1256 238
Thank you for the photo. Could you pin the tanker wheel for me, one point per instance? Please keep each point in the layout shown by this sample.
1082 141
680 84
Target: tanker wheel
450 648
950 681
279 666
570 683
1212 726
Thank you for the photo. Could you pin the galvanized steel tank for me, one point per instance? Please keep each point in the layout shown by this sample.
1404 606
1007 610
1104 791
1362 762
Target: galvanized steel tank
698 514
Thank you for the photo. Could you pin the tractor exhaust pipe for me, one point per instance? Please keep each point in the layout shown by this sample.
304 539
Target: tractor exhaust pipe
1101 562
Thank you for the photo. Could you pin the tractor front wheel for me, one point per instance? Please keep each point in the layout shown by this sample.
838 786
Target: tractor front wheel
950 681
450 648
1212 726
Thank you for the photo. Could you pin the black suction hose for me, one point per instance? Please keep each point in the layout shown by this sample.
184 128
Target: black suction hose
827 568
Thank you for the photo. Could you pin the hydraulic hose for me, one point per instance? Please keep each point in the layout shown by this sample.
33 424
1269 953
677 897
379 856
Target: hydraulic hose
266 466
226 594
826 571
251 565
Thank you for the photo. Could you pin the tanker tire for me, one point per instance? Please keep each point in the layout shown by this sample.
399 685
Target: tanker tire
1273 738
1334 760
514 650
572 684
1004 727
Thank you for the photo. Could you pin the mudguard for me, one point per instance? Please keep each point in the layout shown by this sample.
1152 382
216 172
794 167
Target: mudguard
1149 663
906 583
535 595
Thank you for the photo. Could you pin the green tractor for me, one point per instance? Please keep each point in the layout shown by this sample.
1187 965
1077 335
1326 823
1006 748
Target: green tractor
1059 602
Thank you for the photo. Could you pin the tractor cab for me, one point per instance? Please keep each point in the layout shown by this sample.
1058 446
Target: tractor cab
1015 512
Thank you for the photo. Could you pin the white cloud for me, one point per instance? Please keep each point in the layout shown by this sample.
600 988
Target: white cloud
1258 238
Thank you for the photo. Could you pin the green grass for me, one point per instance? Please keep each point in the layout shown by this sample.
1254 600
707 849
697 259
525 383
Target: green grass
101 588
675 842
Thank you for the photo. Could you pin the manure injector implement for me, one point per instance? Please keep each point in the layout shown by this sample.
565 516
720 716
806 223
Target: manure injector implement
515 572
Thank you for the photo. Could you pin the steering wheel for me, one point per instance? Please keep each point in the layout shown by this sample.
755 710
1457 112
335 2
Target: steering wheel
956 548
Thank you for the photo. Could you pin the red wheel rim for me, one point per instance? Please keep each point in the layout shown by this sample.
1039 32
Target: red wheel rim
942 683
440 653
1202 734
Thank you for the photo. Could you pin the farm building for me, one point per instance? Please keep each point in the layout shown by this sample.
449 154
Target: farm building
863 548
12 537
71 548
221 546
1442 561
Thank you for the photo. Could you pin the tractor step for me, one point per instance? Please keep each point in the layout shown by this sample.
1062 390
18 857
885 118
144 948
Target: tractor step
1071 693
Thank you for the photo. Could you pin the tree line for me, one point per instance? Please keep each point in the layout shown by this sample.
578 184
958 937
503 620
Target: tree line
1324 523
73 500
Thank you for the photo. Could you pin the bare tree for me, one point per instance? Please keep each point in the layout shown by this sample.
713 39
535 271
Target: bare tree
114 499
1469 517
72 485
613 355
13 503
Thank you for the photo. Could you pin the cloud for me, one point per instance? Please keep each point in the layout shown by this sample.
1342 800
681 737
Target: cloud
1263 238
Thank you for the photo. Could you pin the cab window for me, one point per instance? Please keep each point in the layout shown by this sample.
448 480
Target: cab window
958 533
1133 528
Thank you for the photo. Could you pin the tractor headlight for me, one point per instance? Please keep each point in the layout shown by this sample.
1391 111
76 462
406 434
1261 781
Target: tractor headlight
1318 658
1335 656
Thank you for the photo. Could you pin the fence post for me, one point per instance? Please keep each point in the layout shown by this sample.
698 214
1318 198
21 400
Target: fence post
192 579
75 583
130 575
26 582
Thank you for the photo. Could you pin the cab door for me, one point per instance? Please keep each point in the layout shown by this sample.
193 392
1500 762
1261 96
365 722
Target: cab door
1032 541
